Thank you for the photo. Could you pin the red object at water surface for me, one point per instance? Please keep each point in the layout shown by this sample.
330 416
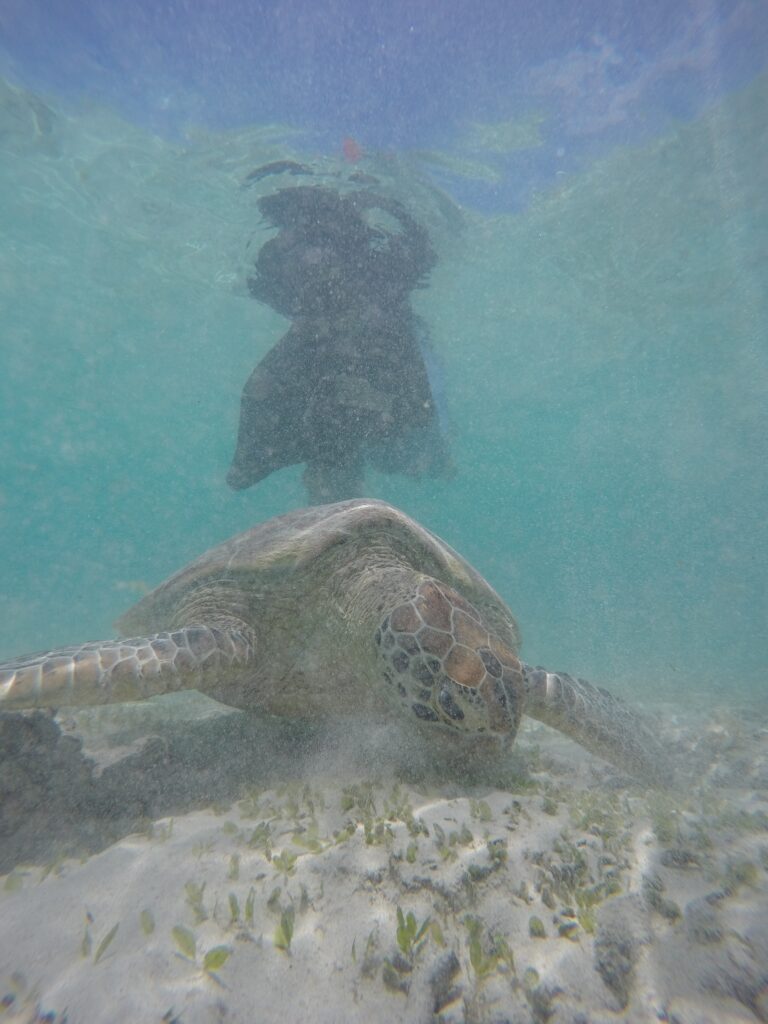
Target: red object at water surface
352 150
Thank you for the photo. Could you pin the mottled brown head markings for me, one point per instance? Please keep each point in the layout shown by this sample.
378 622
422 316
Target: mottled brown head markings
442 663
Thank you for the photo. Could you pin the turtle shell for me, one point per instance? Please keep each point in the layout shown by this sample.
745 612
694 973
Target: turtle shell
292 545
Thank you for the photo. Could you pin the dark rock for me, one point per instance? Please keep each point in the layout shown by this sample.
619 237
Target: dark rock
741 982
55 800
652 889
702 924
621 930
540 999
441 981
678 858
392 978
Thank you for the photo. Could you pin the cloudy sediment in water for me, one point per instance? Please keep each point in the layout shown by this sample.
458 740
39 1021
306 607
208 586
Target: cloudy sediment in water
604 381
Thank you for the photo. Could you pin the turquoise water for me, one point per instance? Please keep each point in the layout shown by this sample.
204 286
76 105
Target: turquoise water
606 378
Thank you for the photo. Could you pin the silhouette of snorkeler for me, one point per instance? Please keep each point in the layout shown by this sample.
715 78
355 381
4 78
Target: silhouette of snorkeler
348 384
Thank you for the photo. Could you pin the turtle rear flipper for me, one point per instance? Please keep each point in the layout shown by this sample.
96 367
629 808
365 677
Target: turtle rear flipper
113 671
598 721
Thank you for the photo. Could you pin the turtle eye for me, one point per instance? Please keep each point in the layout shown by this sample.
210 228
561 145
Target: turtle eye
444 665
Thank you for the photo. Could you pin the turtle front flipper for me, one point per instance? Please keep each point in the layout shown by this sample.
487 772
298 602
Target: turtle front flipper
598 721
113 671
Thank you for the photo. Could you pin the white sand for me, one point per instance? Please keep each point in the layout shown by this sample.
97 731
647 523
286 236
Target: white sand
481 863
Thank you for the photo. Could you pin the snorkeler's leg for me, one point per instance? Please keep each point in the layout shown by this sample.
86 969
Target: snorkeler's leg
327 482
269 436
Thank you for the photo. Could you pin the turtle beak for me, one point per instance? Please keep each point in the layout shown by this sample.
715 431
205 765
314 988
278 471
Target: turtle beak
494 693
504 701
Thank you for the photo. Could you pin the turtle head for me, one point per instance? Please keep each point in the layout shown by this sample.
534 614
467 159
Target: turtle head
444 666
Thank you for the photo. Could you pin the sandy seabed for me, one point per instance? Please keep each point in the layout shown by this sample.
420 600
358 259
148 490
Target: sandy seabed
571 895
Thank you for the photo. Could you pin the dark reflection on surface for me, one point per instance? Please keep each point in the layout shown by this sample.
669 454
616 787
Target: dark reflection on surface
348 384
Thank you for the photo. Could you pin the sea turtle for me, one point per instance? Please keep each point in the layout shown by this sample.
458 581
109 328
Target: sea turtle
350 607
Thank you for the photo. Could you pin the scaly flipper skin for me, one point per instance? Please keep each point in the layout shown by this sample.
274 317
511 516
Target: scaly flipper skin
598 721
344 608
113 671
